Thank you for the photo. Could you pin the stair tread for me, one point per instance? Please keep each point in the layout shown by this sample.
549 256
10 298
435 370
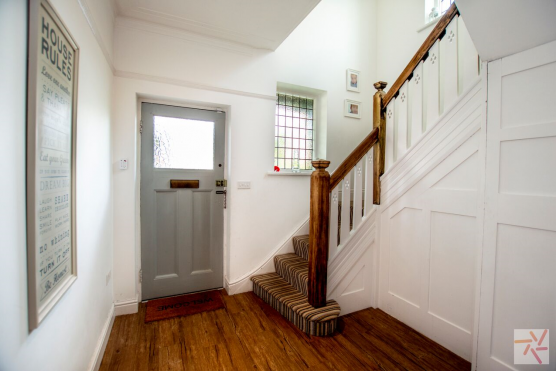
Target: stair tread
301 246
287 296
293 269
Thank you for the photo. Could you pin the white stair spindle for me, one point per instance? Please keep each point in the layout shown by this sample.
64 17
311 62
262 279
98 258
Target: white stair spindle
416 102
358 193
449 64
368 182
346 201
390 122
333 242
401 118
431 92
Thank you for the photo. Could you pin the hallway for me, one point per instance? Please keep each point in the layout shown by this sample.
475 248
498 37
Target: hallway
249 334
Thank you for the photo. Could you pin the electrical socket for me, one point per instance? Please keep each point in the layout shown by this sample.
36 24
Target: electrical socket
244 185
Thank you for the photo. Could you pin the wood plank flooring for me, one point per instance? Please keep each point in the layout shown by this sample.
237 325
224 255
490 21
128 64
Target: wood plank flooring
249 335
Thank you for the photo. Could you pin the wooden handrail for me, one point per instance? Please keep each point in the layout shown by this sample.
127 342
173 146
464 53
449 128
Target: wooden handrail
437 33
349 163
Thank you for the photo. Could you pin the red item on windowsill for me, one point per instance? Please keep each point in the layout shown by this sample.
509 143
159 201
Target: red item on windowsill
277 169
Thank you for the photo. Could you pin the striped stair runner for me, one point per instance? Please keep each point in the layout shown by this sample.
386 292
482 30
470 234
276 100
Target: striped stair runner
286 291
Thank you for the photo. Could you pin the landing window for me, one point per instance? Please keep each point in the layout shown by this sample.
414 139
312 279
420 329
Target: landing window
294 132
435 9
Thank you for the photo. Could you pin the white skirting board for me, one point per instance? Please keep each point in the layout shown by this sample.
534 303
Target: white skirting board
102 342
126 307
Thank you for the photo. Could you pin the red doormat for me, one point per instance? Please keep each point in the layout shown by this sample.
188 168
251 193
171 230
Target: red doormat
183 305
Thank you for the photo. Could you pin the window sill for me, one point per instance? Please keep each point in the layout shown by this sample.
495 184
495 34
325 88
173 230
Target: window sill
290 173
428 24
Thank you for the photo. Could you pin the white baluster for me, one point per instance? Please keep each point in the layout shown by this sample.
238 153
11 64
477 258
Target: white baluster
346 201
416 104
368 182
390 122
358 193
468 59
333 242
449 65
431 93
401 118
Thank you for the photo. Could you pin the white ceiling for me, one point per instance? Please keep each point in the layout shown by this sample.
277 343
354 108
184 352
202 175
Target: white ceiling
503 27
263 24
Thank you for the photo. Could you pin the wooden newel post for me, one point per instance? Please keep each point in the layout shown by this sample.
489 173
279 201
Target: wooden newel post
379 150
319 233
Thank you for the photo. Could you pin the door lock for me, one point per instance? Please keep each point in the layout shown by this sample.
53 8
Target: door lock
225 193
222 183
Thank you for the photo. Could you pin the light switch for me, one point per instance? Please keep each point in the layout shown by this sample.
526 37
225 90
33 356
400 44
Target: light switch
123 164
244 185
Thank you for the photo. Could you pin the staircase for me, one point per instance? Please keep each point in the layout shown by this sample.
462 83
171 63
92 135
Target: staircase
287 289
298 288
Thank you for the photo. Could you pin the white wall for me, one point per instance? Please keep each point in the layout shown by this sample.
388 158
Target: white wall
398 38
69 336
166 64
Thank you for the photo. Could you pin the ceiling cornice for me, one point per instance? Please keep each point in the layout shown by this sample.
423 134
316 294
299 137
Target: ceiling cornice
201 28
154 28
83 4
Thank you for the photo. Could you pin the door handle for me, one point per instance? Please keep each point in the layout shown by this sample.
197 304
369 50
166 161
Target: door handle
225 193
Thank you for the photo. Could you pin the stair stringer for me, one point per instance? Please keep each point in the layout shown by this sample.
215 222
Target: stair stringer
358 256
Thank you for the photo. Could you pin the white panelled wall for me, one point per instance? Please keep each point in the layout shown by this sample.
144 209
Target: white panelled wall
467 220
518 288
431 210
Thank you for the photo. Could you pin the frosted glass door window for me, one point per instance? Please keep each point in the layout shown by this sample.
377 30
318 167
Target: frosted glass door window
183 144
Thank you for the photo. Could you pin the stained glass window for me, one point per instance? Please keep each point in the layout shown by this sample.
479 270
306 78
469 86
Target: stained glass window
293 132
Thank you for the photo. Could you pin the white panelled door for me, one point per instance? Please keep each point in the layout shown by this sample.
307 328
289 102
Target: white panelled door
518 286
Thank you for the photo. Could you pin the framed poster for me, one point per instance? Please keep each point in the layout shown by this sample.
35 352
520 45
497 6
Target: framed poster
51 140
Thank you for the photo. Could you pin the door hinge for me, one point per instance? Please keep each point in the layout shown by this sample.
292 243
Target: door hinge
140 276
141 127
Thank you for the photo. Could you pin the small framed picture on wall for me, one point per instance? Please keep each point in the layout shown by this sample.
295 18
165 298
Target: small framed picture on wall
352 80
352 108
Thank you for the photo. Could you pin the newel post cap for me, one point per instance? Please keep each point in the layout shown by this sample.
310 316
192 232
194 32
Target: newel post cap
320 164
380 85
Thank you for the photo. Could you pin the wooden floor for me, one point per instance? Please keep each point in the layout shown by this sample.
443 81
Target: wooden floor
250 335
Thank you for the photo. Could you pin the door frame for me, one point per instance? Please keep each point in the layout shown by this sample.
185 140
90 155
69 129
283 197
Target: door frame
185 104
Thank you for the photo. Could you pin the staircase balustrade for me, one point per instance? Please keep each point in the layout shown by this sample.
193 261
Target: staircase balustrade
340 201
